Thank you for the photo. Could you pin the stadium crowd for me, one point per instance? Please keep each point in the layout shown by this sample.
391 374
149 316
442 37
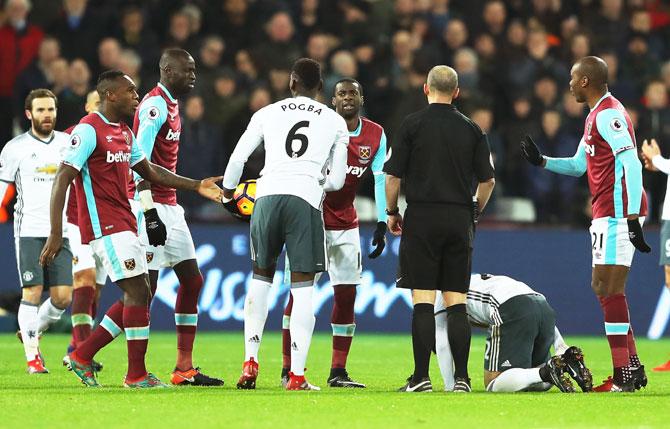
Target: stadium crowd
513 60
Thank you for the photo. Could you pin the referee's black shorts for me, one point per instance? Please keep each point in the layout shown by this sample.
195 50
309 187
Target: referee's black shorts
436 248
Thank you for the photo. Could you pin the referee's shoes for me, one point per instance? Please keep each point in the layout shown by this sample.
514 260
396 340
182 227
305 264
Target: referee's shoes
422 385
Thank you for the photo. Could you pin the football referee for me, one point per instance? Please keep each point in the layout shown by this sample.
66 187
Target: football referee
440 154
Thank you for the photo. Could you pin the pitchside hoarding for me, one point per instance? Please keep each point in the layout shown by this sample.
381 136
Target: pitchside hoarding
555 262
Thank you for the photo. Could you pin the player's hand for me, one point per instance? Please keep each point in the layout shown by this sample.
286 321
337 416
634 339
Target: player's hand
155 227
530 151
379 240
395 224
210 190
636 237
231 207
650 149
51 248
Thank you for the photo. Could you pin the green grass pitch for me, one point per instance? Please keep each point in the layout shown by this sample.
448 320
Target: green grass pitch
58 400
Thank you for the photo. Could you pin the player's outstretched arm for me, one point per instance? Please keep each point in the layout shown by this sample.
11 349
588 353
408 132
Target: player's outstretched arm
338 169
379 237
653 160
157 174
64 177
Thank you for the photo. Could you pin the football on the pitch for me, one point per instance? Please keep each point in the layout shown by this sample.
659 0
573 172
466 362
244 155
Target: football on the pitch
245 197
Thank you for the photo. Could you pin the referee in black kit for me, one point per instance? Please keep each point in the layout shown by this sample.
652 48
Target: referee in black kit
441 154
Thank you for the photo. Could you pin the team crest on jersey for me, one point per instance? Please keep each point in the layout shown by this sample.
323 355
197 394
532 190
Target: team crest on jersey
150 257
28 276
75 140
616 125
126 137
153 113
588 128
364 152
75 260
130 264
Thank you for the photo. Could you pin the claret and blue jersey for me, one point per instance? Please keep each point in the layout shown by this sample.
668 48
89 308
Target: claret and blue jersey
103 152
608 154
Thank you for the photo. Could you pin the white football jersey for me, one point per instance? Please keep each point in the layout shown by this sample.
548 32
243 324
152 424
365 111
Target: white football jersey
299 135
486 295
31 164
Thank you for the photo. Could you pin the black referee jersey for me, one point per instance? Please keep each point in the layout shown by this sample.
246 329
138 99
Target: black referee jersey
441 154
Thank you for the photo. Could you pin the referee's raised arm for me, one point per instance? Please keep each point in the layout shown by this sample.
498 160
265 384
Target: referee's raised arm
440 154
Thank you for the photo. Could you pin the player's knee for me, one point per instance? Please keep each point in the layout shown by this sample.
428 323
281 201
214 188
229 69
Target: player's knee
31 294
61 300
489 376
597 287
84 278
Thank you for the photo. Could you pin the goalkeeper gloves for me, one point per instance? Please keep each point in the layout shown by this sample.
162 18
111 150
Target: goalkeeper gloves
530 151
155 227
378 240
636 237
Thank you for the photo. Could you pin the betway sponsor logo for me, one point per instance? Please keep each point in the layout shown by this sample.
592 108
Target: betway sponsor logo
172 136
119 156
356 171
222 296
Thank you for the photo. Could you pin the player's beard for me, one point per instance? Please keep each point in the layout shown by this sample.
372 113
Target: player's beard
42 128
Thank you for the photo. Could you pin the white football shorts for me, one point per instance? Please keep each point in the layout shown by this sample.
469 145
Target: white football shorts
83 257
610 244
122 254
344 257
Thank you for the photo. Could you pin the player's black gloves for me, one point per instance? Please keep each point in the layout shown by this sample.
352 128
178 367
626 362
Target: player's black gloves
156 231
530 151
231 206
636 237
379 240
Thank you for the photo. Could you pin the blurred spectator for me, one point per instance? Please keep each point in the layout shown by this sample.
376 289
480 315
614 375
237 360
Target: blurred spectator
573 117
58 74
403 15
494 16
580 47
609 25
545 91
279 46
135 35
279 79
131 64
665 75
455 37
72 100
211 53
466 65
246 68
79 29
520 124
202 142
318 48
232 20
483 117
640 23
622 89
342 64
180 32
35 76
109 55
224 102
638 64
19 43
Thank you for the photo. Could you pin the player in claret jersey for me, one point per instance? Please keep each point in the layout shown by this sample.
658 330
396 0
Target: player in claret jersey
367 151
101 152
608 154
157 126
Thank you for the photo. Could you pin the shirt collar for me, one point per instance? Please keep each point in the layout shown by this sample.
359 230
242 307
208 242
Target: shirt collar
357 131
105 119
607 94
49 140
165 90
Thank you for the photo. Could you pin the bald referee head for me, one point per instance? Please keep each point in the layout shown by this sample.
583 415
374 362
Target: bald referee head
588 79
441 84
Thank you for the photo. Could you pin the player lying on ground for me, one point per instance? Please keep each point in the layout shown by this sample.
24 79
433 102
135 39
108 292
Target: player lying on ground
30 161
301 137
101 152
367 149
608 154
521 330
162 226
653 161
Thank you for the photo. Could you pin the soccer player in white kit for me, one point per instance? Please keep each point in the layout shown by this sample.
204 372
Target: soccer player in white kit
302 137
521 329
30 161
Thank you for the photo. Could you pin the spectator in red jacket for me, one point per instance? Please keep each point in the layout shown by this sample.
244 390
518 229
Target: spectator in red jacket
20 42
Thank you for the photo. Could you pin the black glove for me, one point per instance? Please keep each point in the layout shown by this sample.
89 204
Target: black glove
156 231
231 206
530 151
636 237
379 240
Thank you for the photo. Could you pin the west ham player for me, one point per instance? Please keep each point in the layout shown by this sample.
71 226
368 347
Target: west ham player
88 274
521 329
608 153
30 161
367 150
302 137
157 126
653 161
101 152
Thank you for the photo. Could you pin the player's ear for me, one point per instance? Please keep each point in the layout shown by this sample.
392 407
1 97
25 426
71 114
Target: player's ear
457 92
362 100
332 101
426 90
585 81
29 115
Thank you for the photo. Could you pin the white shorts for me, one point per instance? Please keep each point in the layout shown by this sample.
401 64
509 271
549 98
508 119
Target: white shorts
179 245
610 244
122 255
83 257
344 257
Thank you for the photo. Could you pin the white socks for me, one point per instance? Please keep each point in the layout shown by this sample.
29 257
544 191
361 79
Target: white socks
28 325
255 313
443 350
47 315
515 380
301 325
559 344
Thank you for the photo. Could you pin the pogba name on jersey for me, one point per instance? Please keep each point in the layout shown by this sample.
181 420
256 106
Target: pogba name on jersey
305 107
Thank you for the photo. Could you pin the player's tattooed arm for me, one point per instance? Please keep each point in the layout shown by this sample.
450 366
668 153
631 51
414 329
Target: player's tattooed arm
64 178
157 174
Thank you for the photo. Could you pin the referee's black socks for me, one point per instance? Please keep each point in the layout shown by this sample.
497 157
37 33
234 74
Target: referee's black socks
423 338
459 333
